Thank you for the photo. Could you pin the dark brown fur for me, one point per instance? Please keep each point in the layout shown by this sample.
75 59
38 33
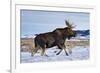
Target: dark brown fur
54 38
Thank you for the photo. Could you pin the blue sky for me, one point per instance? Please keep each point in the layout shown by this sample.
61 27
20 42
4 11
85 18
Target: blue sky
35 22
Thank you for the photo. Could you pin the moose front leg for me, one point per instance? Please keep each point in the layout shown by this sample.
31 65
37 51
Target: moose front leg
64 47
69 47
59 52
61 47
65 51
70 50
43 53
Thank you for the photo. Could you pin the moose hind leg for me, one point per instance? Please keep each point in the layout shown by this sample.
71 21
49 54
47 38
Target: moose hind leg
34 51
43 51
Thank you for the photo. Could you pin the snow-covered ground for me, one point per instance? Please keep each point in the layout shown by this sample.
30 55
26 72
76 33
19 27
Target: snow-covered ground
78 53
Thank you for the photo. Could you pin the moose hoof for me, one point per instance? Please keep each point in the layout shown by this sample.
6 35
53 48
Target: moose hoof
57 54
55 51
67 54
46 55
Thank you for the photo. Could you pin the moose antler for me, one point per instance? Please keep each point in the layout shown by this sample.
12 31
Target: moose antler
69 24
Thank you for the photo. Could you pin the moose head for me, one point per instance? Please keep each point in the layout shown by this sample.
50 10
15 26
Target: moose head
69 30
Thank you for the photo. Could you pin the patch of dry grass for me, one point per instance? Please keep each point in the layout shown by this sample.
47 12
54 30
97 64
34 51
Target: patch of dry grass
74 43
27 44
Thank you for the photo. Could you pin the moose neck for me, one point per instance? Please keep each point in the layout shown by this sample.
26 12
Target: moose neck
66 34
62 33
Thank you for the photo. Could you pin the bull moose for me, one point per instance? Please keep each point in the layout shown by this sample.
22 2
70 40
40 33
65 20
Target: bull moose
55 38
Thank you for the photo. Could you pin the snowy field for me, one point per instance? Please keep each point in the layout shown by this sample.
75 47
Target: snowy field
78 53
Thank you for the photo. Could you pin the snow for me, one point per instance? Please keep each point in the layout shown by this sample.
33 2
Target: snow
28 36
78 53
82 37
